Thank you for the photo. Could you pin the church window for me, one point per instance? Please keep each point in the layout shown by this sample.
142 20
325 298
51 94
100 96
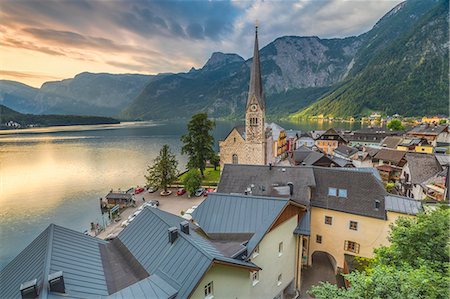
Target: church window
235 159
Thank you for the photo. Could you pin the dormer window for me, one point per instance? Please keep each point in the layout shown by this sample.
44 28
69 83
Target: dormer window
343 193
332 191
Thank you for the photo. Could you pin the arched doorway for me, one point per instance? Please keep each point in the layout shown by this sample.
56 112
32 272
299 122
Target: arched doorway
323 268
322 257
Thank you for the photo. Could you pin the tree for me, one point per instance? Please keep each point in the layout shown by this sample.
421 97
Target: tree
395 125
192 180
164 171
415 265
198 142
215 160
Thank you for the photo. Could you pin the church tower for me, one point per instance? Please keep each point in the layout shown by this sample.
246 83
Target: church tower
255 113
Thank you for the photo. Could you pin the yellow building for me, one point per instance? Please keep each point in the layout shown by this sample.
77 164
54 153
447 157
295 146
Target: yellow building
329 141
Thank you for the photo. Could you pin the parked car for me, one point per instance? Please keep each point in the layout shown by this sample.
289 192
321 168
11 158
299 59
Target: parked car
199 192
209 190
152 189
181 191
154 202
138 190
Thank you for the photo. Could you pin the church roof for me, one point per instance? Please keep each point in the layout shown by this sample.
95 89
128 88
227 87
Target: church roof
255 88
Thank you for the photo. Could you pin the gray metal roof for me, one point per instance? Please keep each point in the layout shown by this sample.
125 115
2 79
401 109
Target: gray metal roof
181 264
304 227
152 287
404 205
57 249
239 214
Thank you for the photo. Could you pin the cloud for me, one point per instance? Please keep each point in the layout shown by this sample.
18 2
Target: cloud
27 75
170 36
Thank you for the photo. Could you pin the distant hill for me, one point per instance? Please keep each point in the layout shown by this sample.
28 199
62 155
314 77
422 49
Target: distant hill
402 68
106 94
10 119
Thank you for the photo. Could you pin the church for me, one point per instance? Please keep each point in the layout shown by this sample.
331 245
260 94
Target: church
250 144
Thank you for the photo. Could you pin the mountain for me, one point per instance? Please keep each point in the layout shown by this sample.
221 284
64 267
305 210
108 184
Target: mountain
396 67
295 70
402 67
106 94
11 119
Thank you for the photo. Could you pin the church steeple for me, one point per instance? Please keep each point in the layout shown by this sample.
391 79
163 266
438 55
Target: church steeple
255 88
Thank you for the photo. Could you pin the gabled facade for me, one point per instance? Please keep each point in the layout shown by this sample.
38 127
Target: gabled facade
329 141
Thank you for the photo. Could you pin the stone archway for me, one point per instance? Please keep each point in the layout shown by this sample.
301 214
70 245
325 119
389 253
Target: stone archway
323 268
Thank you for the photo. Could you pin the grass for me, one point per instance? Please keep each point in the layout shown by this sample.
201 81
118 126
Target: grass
211 176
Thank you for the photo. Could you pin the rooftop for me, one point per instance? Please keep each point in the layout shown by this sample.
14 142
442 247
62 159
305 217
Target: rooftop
428 129
422 166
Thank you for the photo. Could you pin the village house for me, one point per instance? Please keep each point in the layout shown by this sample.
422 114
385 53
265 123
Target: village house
389 163
371 136
122 199
437 135
291 139
329 140
419 168
278 134
346 152
420 145
303 156
250 253
348 210
436 187
305 139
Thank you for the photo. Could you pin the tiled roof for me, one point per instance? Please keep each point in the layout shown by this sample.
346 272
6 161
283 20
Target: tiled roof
391 141
428 129
266 181
239 214
422 166
363 190
345 150
404 205
390 155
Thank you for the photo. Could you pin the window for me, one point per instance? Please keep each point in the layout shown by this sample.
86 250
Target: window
209 290
255 277
343 193
234 139
328 220
319 239
280 277
235 159
280 248
255 252
351 246
377 204
332 191
353 225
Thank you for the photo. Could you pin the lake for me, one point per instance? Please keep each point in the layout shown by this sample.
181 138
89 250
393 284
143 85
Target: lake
57 174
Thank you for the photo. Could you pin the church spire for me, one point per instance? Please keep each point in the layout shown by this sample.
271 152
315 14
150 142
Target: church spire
255 88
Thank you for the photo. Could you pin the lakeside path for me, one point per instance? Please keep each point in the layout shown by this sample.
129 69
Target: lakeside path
172 204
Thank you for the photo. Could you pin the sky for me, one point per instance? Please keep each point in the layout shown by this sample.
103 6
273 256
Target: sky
48 40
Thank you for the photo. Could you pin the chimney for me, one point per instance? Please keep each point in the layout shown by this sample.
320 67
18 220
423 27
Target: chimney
173 234
184 227
291 188
56 282
29 289
270 166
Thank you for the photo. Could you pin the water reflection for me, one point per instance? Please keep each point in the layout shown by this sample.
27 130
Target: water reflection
57 175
